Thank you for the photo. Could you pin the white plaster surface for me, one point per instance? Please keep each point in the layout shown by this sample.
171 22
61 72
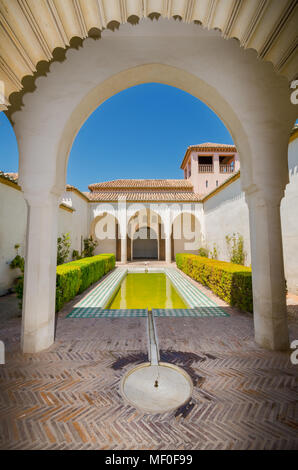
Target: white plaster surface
227 213
13 217
289 220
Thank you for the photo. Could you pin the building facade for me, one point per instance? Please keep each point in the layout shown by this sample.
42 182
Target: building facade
156 219
208 165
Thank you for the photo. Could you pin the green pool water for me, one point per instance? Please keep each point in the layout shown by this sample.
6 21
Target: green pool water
146 290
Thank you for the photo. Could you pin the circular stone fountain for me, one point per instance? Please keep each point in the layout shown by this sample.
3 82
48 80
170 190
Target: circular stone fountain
156 388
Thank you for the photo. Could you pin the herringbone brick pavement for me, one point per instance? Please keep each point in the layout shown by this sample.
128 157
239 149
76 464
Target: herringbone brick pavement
68 397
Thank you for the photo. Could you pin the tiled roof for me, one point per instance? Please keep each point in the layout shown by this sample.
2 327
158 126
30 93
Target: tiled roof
159 184
207 147
165 196
10 176
212 144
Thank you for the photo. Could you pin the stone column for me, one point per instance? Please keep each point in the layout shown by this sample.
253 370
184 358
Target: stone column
168 248
216 163
122 218
269 293
237 162
124 248
40 272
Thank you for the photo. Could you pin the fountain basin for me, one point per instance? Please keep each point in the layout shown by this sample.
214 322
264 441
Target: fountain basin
174 387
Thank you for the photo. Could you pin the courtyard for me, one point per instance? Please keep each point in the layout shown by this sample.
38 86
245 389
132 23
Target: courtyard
68 397
149 230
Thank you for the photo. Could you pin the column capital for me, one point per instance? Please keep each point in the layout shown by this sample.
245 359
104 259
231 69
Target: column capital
266 195
41 198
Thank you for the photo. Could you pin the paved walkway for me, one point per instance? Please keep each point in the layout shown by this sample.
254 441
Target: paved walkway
68 396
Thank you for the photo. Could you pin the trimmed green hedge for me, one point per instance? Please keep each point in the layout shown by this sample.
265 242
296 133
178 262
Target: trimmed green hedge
74 277
231 282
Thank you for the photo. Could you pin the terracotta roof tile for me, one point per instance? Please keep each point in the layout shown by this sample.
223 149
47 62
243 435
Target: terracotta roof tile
212 144
150 196
207 147
142 184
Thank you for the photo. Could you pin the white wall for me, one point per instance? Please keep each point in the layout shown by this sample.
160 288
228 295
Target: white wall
13 217
289 219
226 213
75 223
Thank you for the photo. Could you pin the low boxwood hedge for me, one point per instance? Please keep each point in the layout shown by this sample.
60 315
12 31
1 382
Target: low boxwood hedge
231 282
74 277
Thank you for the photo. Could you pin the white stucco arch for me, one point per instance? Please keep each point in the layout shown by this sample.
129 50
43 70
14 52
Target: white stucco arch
100 208
99 216
239 88
182 232
136 222
252 24
250 98
136 208
103 229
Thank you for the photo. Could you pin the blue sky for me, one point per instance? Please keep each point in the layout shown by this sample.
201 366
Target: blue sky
142 132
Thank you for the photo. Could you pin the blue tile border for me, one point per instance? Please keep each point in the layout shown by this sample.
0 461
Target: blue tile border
200 312
97 312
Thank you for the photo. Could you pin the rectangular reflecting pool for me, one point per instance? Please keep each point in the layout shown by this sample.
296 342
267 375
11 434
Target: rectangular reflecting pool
146 290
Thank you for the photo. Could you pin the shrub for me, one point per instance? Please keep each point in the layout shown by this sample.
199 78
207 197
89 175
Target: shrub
74 277
214 252
68 283
109 262
92 269
89 247
203 252
63 248
18 262
235 245
76 255
229 281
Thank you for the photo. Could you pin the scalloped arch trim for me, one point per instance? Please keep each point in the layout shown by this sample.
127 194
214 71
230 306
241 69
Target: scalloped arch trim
36 33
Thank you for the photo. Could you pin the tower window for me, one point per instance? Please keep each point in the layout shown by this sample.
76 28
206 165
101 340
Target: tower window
216 183
206 183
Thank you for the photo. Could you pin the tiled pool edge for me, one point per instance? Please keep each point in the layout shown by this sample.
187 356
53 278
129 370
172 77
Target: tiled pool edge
93 304
103 292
